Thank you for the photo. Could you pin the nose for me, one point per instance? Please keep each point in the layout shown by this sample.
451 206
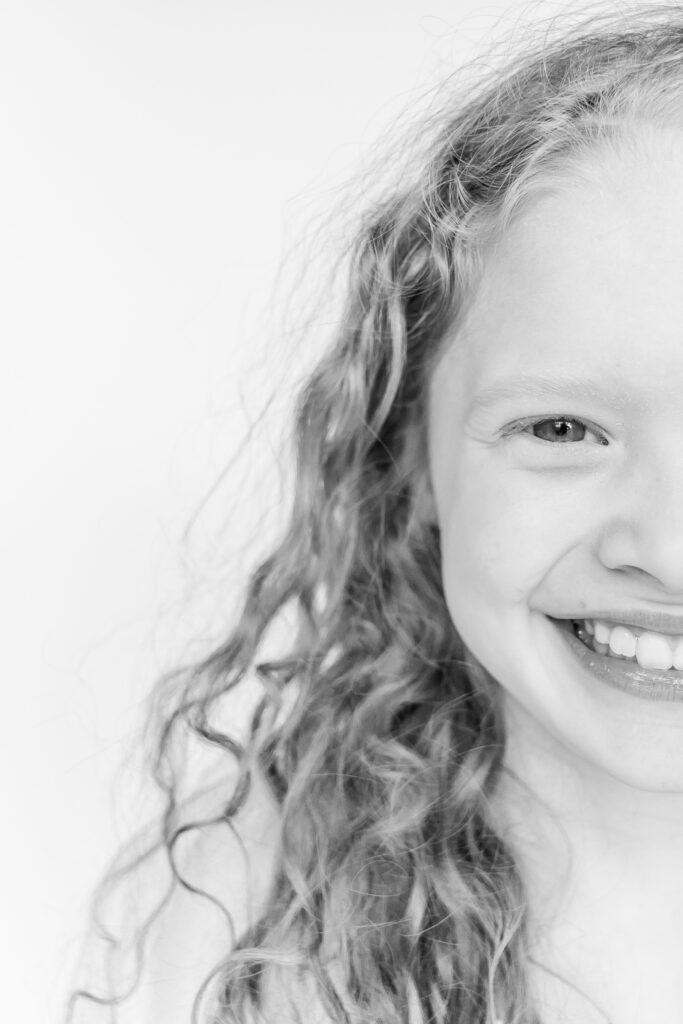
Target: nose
644 535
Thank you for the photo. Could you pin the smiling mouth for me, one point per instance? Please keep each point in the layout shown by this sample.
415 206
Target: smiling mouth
588 639
622 673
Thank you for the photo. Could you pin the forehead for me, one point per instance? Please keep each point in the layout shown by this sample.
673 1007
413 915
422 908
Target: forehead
587 273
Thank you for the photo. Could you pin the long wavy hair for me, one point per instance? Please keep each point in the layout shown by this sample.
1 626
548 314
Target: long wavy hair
378 734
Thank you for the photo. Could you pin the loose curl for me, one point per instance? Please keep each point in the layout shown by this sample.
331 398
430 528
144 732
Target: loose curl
379 734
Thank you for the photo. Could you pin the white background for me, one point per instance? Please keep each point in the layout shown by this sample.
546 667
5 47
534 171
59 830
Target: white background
158 160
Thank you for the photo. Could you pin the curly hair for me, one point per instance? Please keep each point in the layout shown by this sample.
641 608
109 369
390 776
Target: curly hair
378 733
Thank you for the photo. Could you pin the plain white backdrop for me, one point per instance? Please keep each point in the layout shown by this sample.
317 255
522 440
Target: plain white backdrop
158 160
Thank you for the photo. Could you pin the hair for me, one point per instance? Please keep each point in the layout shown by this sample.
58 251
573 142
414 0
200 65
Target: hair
378 733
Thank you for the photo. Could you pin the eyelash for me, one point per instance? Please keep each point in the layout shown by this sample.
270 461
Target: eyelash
532 421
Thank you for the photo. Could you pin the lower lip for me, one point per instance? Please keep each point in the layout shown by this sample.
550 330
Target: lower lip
628 676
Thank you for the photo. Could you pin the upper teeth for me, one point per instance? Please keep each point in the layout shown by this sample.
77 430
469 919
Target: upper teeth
650 649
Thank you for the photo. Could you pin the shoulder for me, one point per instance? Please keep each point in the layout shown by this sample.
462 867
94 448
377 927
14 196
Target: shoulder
192 936
289 1000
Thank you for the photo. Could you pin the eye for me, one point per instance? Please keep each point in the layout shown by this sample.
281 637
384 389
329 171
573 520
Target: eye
559 429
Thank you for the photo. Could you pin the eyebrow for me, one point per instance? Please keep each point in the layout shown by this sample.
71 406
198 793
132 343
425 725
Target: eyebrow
534 386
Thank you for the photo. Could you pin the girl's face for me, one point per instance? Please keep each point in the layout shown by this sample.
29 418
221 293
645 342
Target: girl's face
578 328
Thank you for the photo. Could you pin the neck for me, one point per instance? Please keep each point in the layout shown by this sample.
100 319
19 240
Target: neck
601 864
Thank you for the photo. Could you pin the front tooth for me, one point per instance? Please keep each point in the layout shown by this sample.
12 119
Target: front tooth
653 651
622 641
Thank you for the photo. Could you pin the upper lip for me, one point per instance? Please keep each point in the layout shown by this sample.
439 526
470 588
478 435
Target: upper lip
659 622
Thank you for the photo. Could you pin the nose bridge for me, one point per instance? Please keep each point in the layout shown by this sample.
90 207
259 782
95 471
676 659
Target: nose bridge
647 529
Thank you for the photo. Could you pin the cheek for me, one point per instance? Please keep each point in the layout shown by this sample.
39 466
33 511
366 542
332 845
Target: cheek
486 554
501 535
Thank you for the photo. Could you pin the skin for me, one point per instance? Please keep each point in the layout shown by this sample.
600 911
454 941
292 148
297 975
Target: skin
587 281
